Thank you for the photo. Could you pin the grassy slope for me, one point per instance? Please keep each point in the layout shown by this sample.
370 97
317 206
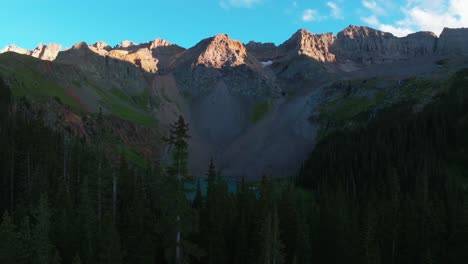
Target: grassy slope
22 72
355 110
260 110
25 79
122 106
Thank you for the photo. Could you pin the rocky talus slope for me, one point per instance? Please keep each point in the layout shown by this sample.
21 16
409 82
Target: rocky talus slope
255 108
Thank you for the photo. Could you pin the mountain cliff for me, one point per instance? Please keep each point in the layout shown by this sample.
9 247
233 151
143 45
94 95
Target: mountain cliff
453 41
255 107
43 52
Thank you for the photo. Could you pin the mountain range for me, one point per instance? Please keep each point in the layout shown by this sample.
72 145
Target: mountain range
255 108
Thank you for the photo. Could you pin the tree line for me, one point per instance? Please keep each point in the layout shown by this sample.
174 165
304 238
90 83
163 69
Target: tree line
394 191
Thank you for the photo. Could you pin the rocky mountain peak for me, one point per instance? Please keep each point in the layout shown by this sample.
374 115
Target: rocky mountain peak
453 41
220 51
302 33
46 52
356 32
14 48
100 48
422 34
42 51
80 46
100 45
260 45
263 51
159 43
315 46
126 44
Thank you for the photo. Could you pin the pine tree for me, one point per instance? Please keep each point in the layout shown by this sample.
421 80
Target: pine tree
110 248
243 249
76 259
26 243
371 250
198 199
9 241
5 100
44 250
272 247
181 211
216 210
87 223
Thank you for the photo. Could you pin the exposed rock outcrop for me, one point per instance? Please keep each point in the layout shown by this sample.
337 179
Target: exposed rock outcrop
418 44
315 46
453 41
46 52
43 52
357 44
158 42
14 48
363 45
101 46
221 51
126 44
222 59
150 56
367 45
248 103
263 51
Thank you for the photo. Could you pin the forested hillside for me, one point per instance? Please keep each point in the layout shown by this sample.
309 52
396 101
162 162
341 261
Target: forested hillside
396 190
391 191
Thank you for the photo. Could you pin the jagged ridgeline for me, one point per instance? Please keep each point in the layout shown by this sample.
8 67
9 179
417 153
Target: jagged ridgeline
99 144
256 108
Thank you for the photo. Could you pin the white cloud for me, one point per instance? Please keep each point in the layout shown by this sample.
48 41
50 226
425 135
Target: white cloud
434 15
374 7
238 3
395 30
336 11
371 20
309 15
421 15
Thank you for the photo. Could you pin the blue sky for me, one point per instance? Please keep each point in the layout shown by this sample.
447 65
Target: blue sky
185 22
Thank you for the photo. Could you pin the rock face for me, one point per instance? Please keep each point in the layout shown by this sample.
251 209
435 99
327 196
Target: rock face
418 44
14 48
362 45
151 56
100 45
46 52
313 46
159 43
248 106
367 45
358 44
221 51
221 59
453 41
43 52
126 44
263 51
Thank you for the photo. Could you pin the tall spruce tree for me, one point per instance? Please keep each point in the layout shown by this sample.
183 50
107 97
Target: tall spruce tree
215 216
9 241
179 178
44 250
